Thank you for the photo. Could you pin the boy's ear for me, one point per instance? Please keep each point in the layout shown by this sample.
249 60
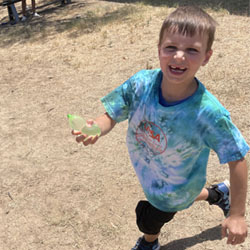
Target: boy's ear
207 57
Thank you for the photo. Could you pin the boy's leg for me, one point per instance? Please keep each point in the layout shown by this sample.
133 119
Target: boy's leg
150 221
151 237
218 194
203 195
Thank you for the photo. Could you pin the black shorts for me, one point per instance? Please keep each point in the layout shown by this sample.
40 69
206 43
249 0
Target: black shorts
149 219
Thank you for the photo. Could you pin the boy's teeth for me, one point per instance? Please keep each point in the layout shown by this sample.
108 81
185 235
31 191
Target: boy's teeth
177 68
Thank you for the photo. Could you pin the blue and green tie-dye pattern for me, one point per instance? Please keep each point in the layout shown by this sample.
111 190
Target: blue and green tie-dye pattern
169 146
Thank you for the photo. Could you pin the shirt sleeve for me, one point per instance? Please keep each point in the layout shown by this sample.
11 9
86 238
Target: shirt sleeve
117 103
226 140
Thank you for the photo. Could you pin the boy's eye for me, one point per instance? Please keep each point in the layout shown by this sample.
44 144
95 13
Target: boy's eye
170 48
192 50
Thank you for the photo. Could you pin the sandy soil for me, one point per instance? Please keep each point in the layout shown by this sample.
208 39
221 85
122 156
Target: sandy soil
56 194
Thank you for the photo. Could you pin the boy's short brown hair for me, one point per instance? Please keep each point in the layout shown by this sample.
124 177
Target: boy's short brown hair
190 20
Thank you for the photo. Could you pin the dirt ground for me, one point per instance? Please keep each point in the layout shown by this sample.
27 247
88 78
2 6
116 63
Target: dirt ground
57 194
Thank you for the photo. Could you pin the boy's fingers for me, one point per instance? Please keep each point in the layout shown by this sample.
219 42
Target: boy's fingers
230 238
80 138
90 140
95 139
74 132
87 140
223 232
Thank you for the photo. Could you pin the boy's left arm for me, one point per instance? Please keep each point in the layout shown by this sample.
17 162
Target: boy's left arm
235 227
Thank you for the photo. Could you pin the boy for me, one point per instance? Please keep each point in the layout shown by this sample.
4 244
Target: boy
173 123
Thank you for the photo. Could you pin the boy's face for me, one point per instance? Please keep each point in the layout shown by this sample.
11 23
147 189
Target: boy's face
181 57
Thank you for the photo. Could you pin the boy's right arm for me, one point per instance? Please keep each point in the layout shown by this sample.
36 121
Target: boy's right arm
106 124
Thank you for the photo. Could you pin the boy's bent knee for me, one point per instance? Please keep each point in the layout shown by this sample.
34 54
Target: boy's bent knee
150 219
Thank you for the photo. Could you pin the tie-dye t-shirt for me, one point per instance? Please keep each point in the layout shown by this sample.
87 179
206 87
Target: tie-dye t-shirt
169 146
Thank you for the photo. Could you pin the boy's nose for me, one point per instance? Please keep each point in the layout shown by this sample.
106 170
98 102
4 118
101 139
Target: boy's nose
180 55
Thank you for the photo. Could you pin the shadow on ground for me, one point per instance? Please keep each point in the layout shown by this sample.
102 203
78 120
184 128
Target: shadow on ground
239 7
78 24
54 17
210 234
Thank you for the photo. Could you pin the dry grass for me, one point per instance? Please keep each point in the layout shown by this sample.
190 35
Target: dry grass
56 194
80 18
89 19
240 7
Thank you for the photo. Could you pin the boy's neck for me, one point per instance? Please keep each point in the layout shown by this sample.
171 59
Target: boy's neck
178 92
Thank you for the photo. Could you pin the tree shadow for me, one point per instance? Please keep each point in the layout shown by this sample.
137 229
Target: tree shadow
239 7
210 234
51 7
46 7
78 24
54 18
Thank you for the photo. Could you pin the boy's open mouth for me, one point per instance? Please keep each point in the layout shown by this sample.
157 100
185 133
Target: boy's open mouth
177 70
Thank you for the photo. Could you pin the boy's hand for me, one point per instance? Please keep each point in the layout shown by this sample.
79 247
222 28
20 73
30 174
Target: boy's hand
85 139
104 122
235 229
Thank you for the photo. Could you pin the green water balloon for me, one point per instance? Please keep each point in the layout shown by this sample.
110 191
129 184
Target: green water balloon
91 131
76 122
79 124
